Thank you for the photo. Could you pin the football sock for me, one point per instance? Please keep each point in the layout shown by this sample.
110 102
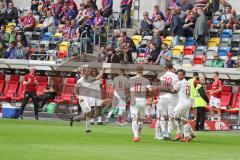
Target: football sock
158 129
163 125
88 124
212 118
135 128
140 124
219 118
99 119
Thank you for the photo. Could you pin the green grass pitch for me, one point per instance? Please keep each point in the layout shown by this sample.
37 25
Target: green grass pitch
55 140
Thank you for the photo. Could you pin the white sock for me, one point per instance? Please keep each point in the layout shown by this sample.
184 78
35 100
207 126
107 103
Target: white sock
177 125
140 124
212 118
170 126
163 125
110 113
88 124
92 120
158 129
99 119
135 128
219 118
186 131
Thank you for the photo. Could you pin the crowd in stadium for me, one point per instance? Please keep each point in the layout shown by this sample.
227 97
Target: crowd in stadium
186 34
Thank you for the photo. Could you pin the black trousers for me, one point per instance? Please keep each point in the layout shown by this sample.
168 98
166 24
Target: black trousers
107 12
46 97
27 96
127 8
201 113
201 40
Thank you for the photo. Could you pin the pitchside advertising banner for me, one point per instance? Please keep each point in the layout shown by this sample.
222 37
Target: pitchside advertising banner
214 125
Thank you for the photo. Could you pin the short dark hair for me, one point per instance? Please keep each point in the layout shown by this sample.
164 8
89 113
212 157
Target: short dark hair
181 70
42 46
195 74
169 65
216 72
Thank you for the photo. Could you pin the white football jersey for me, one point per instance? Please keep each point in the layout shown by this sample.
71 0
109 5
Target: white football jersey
183 88
167 81
84 86
120 85
138 87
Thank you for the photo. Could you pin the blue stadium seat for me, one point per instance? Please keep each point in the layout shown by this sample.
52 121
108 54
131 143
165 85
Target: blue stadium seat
223 51
227 33
47 36
190 41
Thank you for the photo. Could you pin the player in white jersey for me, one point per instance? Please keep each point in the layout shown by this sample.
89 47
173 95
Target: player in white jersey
120 85
138 88
83 90
179 116
166 102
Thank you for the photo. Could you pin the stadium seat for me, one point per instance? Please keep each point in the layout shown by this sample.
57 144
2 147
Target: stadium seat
20 94
47 36
53 45
226 96
168 40
225 42
10 90
210 52
201 50
57 35
14 78
223 51
236 35
136 39
177 51
187 61
235 51
36 36
190 41
214 33
235 43
145 39
2 83
67 92
188 50
213 42
199 60
226 33
9 27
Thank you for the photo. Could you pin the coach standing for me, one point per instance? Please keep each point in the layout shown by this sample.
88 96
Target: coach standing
30 82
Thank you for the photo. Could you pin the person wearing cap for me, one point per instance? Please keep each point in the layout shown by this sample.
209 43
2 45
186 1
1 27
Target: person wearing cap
217 62
164 56
230 62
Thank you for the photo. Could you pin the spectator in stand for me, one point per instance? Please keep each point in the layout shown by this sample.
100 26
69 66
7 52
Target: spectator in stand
173 4
238 62
34 6
227 19
164 56
28 22
168 18
43 16
41 54
107 7
185 5
80 12
48 23
236 23
217 62
154 53
20 51
98 21
115 37
11 13
4 36
29 52
157 12
113 57
71 14
89 14
176 29
65 29
157 38
204 4
126 55
146 50
201 28
146 24
103 55
3 11
127 39
189 24
57 10
2 50
63 15
20 38
215 97
73 31
159 23
11 51
230 63
126 6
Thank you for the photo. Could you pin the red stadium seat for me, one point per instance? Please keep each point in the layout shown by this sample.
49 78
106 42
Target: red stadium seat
42 79
227 89
10 90
2 83
41 88
20 94
199 59
188 50
14 78
226 98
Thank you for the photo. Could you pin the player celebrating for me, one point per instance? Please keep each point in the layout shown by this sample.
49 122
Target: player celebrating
215 96
82 89
181 111
166 102
138 88
120 85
